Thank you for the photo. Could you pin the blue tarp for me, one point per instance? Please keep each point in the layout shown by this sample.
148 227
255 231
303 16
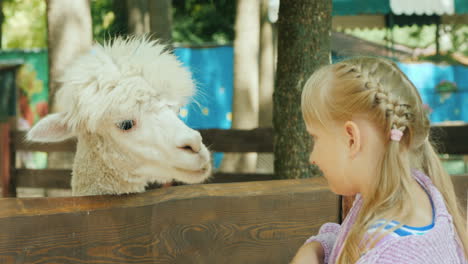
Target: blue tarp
213 71
445 106
212 68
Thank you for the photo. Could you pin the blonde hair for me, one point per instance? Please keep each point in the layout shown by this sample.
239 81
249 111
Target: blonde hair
378 89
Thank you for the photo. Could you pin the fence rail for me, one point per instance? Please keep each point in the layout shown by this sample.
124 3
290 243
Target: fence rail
259 222
453 139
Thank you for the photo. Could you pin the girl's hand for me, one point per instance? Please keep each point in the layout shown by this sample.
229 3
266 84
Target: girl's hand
310 253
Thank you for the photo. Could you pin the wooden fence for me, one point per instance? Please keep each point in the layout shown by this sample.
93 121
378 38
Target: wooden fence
254 222
261 221
454 140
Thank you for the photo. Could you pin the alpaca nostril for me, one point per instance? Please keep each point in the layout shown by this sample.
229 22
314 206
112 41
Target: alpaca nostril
190 142
189 149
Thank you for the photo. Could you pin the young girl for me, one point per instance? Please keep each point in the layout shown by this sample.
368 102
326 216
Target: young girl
371 139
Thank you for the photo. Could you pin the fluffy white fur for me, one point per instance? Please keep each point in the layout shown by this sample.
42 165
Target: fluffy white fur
128 79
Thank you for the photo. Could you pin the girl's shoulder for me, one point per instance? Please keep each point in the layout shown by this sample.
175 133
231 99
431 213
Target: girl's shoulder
438 244
433 247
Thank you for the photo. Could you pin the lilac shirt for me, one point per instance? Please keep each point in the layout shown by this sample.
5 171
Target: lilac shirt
439 245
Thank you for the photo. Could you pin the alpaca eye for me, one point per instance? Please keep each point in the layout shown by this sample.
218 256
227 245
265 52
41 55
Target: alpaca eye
126 125
175 108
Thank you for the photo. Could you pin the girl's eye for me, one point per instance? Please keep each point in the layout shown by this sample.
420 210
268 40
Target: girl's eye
126 125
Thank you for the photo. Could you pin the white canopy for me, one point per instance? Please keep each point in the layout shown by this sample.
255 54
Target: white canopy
423 7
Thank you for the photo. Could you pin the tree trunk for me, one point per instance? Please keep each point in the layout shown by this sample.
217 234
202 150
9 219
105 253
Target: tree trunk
138 17
150 16
161 19
267 68
304 29
69 34
246 80
119 8
265 161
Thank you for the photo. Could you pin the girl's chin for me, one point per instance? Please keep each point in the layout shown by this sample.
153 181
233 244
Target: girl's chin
341 191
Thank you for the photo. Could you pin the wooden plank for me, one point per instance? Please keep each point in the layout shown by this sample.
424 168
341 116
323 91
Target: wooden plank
453 140
217 140
257 222
460 182
61 178
255 140
5 158
43 178
19 143
240 177
7 162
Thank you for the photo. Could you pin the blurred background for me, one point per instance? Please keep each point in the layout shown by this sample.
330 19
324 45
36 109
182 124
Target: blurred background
38 38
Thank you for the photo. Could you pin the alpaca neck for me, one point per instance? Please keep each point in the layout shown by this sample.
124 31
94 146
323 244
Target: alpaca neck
92 175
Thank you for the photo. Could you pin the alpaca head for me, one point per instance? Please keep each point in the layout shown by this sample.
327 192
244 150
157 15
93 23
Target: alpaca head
125 96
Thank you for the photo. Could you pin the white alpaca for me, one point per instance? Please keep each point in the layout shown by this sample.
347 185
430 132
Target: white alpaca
121 101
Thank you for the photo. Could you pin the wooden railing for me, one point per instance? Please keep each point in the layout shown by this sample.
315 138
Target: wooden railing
454 140
254 222
217 140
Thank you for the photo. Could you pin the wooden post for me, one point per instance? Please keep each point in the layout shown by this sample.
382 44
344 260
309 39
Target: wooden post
12 157
8 158
8 153
5 157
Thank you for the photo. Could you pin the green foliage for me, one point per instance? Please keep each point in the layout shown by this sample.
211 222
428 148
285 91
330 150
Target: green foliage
203 21
25 24
453 39
194 21
102 17
459 37
410 36
108 20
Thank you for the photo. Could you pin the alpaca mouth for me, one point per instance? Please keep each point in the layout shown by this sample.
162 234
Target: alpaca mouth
188 171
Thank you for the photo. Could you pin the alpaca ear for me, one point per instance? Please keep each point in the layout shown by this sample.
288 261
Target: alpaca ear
51 128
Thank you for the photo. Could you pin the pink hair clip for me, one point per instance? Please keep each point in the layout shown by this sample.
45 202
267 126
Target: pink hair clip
396 134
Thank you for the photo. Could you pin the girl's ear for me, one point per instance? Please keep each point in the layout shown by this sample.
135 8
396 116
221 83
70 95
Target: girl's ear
353 138
52 128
